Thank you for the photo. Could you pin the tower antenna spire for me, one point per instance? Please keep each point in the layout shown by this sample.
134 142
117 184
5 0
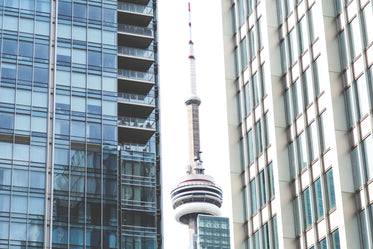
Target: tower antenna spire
193 83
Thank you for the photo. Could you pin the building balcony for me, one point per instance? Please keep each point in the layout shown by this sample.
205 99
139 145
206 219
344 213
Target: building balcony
136 75
131 13
148 100
135 130
135 58
135 81
135 35
134 122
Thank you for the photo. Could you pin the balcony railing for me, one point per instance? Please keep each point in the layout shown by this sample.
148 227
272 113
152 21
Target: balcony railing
147 123
135 30
130 7
147 54
136 75
136 98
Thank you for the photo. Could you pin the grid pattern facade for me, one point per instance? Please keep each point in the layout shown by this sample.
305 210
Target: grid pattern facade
213 232
79 155
299 91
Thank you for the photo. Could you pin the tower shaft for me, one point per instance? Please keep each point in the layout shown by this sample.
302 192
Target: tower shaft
193 131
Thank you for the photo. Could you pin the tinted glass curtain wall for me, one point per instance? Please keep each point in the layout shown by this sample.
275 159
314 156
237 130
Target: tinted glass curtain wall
61 138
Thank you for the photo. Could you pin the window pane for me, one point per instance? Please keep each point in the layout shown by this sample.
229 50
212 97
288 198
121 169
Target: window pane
318 197
330 188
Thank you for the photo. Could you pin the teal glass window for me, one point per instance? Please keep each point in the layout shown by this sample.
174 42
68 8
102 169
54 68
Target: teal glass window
254 200
258 138
307 207
318 199
302 151
6 95
7 121
256 89
6 150
330 189
297 98
364 228
335 240
368 156
262 184
243 52
28 4
250 146
4 230
247 99
313 141
26 25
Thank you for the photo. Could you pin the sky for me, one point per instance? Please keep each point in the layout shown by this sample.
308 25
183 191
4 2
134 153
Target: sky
173 19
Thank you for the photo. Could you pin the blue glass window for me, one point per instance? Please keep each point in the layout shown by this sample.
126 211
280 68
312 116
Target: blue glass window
4 206
109 108
43 6
94 106
94 13
38 154
63 102
77 129
42 28
79 33
26 25
20 178
39 99
11 3
64 8
64 31
94 35
24 73
93 130
39 124
7 120
10 22
19 204
8 71
6 150
110 132
23 122
6 95
37 179
254 201
76 236
110 60
35 232
64 54
80 10
41 51
94 82
36 205
110 15
9 46
18 231
61 156
94 58
41 75
23 97
28 4
78 104
62 127
79 56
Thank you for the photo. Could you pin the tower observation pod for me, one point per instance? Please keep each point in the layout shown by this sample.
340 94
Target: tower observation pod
196 193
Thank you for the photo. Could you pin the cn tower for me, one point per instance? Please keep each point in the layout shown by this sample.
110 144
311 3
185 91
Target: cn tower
196 192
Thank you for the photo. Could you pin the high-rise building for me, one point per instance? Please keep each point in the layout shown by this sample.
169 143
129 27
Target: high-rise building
213 232
196 194
79 140
300 93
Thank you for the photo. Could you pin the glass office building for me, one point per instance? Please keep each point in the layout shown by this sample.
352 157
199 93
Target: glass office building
213 232
79 144
299 86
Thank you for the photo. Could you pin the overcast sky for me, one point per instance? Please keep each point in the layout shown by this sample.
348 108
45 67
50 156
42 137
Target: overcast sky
174 83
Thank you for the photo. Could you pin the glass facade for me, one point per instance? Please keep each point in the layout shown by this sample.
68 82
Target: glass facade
213 232
299 76
79 144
